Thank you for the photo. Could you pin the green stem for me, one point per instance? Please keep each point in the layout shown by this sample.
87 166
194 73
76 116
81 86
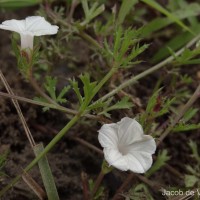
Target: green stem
104 80
56 139
52 106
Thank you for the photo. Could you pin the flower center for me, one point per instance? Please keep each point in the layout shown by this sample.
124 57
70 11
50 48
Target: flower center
122 149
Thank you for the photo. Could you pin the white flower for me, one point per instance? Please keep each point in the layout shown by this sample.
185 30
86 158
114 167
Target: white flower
126 147
28 28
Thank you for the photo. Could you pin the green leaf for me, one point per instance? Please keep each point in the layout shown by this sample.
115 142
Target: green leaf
126 46
191 169
88 87
159 8
185 127
62 93
85 7
139 192
43 100
46 173
152 101
190 180
194 148
125 8
100 192
161 160
91 13
122 104
97 105
18 3
50 86
189 114
175 43
161 22
187 57
165 107
76 89
96 11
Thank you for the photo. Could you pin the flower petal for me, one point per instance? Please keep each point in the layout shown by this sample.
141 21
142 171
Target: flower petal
39 26
147 144
139 162
139 154
26 41
13 25
108 135
129 131
115 159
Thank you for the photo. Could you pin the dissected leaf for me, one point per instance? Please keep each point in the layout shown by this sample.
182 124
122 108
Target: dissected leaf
122 104
92 12
194 148
161 160
75 87
185 127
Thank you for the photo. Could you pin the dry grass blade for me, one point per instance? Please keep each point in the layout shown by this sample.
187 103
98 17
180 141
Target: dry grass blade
15 102
34 186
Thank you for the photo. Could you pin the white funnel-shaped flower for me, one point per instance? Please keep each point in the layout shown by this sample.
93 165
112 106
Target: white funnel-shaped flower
126 147
28 28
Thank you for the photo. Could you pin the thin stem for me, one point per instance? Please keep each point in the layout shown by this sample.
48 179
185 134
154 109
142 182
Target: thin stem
52 106
104 80
85 185
19 112
134 79
123 186
97 183
190 102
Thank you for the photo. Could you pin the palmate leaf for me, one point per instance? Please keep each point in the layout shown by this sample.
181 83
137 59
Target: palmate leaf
125 47
91 13
88 86
50 87
122 104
